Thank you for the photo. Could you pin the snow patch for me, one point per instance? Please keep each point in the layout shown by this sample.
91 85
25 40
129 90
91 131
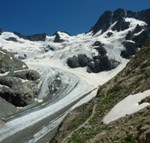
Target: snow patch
127 106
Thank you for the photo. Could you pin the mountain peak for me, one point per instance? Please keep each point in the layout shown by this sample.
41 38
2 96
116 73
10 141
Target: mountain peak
109 17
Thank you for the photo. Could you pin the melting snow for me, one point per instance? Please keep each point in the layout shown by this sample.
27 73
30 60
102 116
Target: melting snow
127 106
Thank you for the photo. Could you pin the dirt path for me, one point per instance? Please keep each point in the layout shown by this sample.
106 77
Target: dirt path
82 125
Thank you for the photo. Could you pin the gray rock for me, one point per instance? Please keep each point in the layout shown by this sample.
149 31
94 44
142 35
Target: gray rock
20 85
26 74
9 63
73 62
83 60
17 92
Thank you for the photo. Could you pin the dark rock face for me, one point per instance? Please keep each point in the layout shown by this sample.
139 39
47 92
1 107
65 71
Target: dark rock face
78 61
141 38
58 38
109 17
20 85
131 49
97 63
121 25
103 23
100 63
100 48
119 13
12 39
35 37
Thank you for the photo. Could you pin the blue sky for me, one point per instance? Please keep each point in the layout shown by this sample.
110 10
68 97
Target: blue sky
49 16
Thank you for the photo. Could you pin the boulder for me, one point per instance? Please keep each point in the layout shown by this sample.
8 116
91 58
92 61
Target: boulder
100 48
117 14
109 34
109 18
99 63
83 60
37 37
138 28
73 62
80 60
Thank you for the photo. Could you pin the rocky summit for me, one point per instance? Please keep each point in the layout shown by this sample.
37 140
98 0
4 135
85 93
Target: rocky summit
92 87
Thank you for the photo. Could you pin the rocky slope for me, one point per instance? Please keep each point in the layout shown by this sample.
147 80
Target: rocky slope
85 124
18 84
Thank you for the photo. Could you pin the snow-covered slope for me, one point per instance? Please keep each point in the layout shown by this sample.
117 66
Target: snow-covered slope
56 54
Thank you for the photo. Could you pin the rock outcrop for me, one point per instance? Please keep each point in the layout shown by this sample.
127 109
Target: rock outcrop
96 63
18 84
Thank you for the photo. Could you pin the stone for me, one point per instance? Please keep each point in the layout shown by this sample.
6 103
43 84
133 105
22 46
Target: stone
109 34
99 63
73 62
83 60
